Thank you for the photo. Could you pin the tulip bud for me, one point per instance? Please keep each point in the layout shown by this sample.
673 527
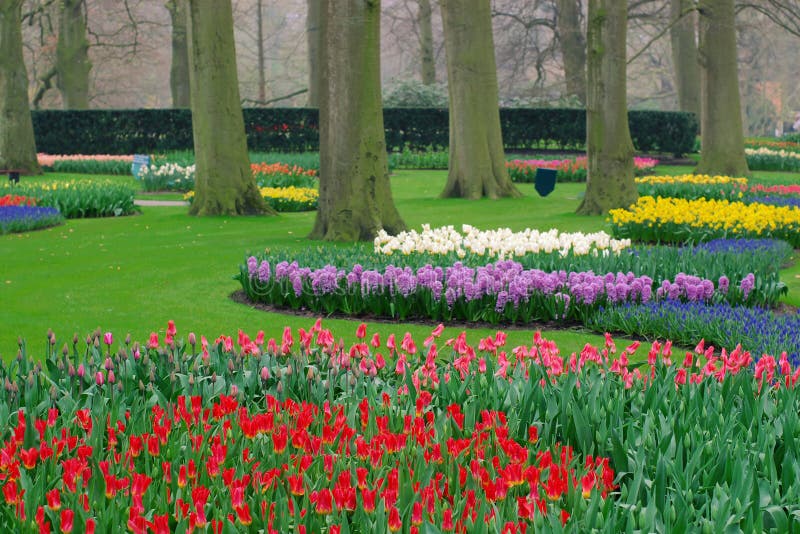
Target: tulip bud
214 377
265 373
108 364
127 339
71 370
111 377
230 365
141 386
65 350
280 387
288 371
81 370
191 379
192 339
75 338
234 390
98 378
108 338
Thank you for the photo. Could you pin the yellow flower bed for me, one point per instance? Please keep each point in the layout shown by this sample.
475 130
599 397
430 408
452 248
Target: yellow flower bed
675 220
284 198
696 179
291 198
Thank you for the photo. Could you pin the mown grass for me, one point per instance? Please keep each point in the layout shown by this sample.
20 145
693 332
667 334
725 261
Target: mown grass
133 274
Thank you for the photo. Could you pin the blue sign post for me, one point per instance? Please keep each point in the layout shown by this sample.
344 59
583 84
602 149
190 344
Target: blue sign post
139 161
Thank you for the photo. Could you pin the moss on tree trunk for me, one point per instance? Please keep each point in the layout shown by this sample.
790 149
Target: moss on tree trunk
17 144
72 55
609 181
224 183
477 161
179 64
355 197
721 131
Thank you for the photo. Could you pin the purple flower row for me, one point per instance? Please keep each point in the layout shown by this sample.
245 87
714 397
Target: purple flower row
506 280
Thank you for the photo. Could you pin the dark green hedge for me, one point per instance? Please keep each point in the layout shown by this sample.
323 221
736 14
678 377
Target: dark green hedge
297 130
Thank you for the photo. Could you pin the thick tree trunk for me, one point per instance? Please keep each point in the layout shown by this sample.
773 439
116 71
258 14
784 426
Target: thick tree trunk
573 47
17 144
224 184
684 56
355 197
427 60
722 135
609 180
313 37
477 160
72 55
179 68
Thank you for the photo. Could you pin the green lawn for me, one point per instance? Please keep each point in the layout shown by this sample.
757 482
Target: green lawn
133 274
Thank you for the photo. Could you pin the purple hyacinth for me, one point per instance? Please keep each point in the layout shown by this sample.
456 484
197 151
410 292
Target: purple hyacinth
264 271
747 284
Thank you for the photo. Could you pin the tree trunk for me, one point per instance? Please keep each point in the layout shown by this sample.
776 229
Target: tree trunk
179 68
722 135
72 55
684 56
477 160
262 78
355 196
573 47
609 180
224 184
17 144
427 60
313 37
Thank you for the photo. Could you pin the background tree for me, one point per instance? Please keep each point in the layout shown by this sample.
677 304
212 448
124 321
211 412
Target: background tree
179 64
224 183
72 55
684 55
477 161
17 145
313 13
573 47
722 136
355 197
427 59
609 180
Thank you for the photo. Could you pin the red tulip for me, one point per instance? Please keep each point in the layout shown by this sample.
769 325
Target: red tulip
243 515
395 523
54 499
67 518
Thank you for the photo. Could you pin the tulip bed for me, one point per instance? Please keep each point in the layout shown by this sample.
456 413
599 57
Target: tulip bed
20 213
79 198
86 164
767 159
569 170
308 434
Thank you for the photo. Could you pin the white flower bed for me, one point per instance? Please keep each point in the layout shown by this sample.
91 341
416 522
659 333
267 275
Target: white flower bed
769 152
501 243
